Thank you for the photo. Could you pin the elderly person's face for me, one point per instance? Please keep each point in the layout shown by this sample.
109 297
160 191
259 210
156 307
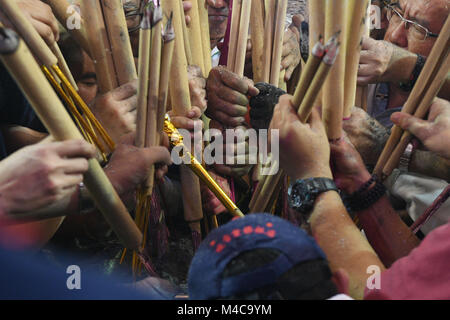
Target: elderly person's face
218 17
430 14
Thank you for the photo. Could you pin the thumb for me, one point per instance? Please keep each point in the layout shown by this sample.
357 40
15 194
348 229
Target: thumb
315 121
158 155
410 123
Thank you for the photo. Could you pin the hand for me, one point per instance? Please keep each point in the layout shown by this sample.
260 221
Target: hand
375 59
125 177
291 52
187 6
241 146
197 87
211 205
434 133
41 17
304 148
349 171
39 175
116 110
366 134
227 96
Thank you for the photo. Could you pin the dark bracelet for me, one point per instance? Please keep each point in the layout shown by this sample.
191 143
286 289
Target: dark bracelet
365 198
409 85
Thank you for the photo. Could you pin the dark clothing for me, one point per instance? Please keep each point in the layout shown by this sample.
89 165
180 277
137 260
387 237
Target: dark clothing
14 108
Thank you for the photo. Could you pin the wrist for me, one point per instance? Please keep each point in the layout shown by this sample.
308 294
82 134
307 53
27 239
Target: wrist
323 172
357 182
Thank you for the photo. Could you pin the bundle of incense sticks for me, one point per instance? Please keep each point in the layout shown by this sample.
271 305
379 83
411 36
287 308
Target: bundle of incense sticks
311 81
65 88
22 66
256 26
240 23
425 90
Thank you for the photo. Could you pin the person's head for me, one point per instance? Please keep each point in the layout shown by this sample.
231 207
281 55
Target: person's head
261 256
81 66
427 17
218 13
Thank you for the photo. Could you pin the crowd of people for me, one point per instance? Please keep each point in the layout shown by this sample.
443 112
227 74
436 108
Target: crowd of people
343 233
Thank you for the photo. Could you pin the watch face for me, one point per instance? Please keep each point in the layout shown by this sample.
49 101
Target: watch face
299 196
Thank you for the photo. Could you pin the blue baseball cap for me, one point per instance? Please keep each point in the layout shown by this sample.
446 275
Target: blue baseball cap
254 231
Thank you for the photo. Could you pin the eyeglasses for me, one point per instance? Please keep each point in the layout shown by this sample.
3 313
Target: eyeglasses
419 31
134 14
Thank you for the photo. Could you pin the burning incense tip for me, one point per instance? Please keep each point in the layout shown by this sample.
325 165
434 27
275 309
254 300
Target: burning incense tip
169 32
332 53
146 19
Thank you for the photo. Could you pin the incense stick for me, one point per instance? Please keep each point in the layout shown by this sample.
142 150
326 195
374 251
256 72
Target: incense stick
269 29
278 42
122 53
257 38
333 90
356 20
241 49
99 45
234 33
195 37
206 41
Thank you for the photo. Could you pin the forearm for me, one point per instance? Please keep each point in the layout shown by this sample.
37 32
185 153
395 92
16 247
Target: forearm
342 242
387 233
430 164
400 67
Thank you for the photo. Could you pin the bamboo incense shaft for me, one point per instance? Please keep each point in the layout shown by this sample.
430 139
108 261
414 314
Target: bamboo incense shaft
362 91
181 105
257 38
195 37
62 13
144 68
206 41
333 91
267 190
316 85
26 30
316 21
62 63
269 29
356 20
421 112
280 23
234 33
99 45
151 134
241 50
417 93
122 53
52 113
166 63
187 45
307 75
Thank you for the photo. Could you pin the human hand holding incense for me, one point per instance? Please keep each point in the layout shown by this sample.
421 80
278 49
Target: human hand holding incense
304 147
434 133
42 174
227 96
40 16
349 171
291 55
125 177
238 165
197 87
116 110
212 205
366 134
381 61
